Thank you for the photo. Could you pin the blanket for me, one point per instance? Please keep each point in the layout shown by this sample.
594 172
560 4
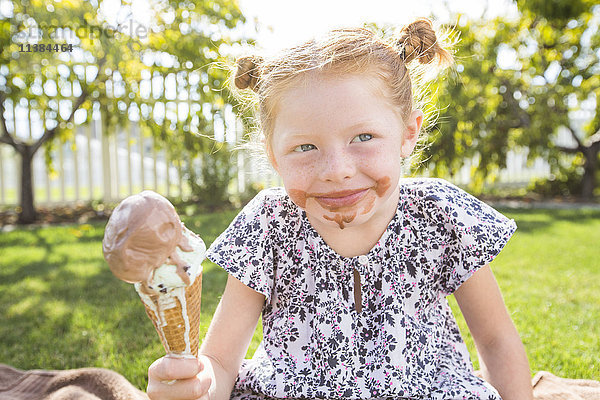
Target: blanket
546 386
72 384
103 384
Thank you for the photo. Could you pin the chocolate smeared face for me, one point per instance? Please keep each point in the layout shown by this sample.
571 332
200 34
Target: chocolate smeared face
142 234
337 145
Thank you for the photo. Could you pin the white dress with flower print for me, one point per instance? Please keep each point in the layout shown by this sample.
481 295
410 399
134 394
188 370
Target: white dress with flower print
405 342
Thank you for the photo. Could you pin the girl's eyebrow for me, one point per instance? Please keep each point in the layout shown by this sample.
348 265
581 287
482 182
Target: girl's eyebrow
291 135
362 124
294 135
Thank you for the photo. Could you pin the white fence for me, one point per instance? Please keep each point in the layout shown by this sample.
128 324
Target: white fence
94 166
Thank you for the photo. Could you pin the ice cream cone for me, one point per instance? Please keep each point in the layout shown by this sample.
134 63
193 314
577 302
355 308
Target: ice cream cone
145 243
177 322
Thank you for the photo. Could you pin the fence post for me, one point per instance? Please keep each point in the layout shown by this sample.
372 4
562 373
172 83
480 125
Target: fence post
141 147
89 129
18 168
116 179
106 170
75 152
241 161
129 175
154 162
47 180
2 183
168 175
180 177
61 169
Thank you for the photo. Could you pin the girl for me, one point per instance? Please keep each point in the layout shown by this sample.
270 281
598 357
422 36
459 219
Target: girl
350 265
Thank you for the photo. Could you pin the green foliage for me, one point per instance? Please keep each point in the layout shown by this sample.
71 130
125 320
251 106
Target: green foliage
556 10
566 183
514 85
251 191
179 50
211 179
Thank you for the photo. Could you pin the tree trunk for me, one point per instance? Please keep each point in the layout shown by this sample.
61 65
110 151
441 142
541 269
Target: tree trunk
28 214
589 172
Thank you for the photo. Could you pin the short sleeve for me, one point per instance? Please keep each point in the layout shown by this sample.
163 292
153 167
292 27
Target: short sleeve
245 248
473 233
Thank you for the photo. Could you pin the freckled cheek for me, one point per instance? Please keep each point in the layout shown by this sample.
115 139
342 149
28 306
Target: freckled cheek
377 159
297 178
291 167
384 171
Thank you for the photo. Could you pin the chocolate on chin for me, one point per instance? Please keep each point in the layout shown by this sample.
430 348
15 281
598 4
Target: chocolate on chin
146 243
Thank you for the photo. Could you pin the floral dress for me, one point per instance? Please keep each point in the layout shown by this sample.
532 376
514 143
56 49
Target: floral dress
405 342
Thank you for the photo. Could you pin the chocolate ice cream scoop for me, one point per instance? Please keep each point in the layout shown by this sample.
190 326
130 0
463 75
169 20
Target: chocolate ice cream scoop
143 233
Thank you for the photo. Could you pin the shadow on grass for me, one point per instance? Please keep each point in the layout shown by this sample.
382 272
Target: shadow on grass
532 220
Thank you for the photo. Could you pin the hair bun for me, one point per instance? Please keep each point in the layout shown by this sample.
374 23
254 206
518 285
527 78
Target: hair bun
418 41
247 73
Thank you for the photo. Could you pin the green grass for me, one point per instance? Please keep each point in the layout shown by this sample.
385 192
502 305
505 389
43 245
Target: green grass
60 306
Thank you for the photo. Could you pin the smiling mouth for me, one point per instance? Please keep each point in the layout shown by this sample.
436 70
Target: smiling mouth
335 200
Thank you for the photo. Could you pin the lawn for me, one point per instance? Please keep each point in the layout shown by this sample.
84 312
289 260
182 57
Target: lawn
60 306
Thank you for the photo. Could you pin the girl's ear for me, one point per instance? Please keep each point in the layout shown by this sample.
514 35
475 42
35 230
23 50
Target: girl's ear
411 133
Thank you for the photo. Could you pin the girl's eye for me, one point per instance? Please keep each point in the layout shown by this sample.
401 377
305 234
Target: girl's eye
363 137
304 147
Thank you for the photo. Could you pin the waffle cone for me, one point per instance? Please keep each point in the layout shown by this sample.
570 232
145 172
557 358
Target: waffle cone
172 330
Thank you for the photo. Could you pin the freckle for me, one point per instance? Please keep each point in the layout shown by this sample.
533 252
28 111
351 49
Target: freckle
298 197
383 185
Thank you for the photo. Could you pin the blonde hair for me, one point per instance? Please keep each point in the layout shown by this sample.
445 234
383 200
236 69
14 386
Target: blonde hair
343 51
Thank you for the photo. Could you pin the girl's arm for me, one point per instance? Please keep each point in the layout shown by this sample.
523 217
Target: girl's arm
501 354
221 354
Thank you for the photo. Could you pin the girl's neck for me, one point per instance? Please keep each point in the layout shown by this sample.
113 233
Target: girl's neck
357 240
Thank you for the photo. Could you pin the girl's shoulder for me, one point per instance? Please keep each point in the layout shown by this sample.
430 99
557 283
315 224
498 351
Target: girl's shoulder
271 200
429 194
428 188
439 199
272 209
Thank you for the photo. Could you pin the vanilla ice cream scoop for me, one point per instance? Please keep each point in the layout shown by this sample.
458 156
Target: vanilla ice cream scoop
166 278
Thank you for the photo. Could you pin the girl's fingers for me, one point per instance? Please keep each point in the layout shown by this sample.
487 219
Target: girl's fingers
172 368
178 378
182 389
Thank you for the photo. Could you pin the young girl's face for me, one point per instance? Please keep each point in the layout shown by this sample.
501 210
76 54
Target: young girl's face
337 144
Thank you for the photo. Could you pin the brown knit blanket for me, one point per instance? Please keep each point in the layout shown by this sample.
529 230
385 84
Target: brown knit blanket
72 384
103 384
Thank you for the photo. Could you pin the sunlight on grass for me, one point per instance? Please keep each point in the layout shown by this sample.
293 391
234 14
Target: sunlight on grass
55 309
22 307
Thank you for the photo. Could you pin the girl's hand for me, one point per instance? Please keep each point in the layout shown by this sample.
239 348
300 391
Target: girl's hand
172 378
222 352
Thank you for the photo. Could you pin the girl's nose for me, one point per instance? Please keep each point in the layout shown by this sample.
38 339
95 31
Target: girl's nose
337 166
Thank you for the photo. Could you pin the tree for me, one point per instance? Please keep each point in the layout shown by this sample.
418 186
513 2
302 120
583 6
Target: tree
517 83
104 64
